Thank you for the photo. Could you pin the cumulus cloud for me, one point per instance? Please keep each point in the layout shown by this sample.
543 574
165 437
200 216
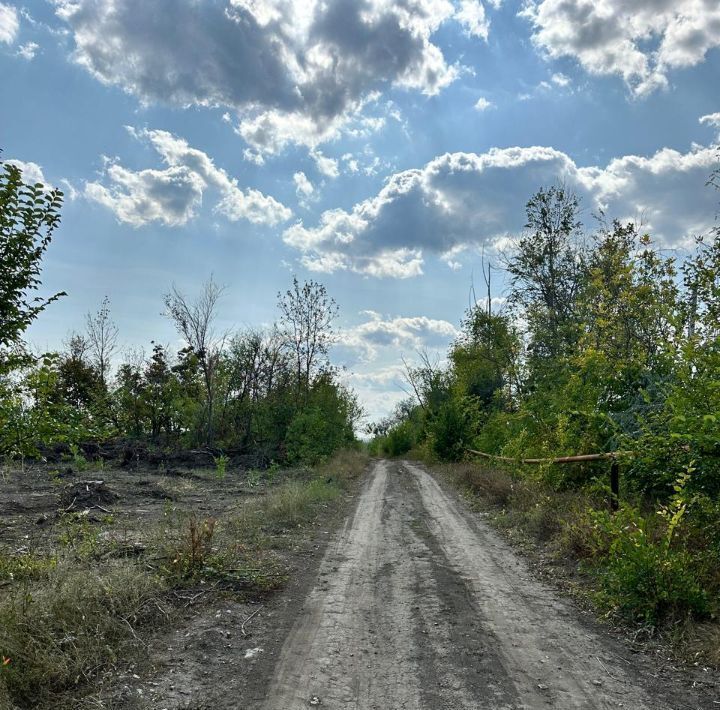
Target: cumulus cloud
471 15
641 41
31 172
327 166
173 194
294 71
9 23
375 349
303 186
400 332
459 200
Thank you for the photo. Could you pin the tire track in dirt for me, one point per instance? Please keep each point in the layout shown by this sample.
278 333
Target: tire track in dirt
553 661
419 607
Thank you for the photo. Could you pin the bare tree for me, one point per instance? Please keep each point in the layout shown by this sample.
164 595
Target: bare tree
195 321
424 379
102 335
307 315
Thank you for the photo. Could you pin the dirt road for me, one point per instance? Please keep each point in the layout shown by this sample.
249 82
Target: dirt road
418 605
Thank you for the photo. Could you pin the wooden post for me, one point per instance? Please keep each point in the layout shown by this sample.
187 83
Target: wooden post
614 486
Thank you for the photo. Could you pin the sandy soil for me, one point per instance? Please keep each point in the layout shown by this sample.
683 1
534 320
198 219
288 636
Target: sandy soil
420 605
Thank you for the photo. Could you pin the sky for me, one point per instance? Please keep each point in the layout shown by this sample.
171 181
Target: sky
380 147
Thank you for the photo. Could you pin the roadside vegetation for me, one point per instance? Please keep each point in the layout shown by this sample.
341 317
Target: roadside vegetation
606 343
87 575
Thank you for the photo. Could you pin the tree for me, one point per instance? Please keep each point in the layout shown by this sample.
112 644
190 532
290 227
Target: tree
78 380
548 269
485 356
29 215
195 321
102 336
307 315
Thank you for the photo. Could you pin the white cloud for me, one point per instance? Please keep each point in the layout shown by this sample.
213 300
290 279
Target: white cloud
293 71
641 41
482 104
327 166
459 200
712 119
303 186
471 15
9 23
399 332
31 172
560 80
28 50
172 195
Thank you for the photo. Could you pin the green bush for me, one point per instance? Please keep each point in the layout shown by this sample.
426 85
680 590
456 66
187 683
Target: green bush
646 574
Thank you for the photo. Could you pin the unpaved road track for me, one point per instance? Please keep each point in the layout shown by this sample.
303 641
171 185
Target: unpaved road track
420 606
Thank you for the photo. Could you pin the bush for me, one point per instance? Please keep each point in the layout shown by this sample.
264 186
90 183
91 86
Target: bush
493 485
645 575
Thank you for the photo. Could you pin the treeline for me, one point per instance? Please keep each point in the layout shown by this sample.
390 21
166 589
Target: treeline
606 343
271 394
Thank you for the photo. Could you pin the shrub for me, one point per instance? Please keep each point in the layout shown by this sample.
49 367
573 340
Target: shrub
645 576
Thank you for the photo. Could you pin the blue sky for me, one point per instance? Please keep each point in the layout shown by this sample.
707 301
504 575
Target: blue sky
378 147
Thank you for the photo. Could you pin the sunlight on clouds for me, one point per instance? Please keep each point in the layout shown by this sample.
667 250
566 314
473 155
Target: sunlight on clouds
640 41
172 196
294 72
463 199
400 332
471 15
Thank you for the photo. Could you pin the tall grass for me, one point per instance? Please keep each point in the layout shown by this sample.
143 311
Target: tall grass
653 565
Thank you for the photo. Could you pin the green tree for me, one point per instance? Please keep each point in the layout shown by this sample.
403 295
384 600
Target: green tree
29 215
547 271
195 321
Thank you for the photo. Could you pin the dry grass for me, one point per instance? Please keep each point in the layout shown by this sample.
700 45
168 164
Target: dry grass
529 505
71 615
71 625
492 485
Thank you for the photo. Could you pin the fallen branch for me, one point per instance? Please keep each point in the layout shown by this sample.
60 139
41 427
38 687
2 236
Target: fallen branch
559 459
242 626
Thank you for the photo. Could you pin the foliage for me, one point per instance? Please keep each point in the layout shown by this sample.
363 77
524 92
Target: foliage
29 215
241 393
221 463
609 344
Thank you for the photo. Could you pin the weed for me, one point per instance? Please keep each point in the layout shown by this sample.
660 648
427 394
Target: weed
25 567
77 457
221 463
79 534
253 477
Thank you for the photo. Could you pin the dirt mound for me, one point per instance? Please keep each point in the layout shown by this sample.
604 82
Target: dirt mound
82 495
